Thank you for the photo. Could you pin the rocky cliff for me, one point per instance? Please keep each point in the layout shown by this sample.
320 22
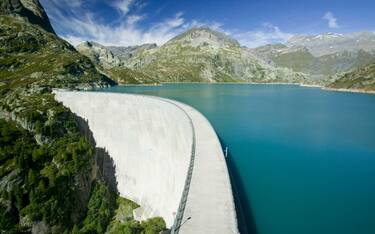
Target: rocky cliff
29 10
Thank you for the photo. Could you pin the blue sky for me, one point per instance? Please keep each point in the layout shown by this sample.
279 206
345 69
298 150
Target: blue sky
252 22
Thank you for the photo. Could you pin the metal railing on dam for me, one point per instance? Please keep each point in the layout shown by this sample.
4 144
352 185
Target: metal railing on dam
180 212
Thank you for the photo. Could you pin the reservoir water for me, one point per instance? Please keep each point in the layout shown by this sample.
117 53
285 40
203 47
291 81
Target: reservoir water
302 159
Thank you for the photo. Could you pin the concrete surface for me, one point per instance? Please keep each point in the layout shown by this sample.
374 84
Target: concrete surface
150 141
210 201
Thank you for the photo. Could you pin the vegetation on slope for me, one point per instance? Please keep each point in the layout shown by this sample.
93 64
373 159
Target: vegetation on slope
38 181
322 58
124 75
197 55
205 62
123 221
45 162
360 79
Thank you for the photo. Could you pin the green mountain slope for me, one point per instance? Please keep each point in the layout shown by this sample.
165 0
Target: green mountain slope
47 179
362 78
203 55
197 55
321 56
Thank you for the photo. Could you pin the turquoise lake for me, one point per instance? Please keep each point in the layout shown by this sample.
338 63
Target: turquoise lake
302 159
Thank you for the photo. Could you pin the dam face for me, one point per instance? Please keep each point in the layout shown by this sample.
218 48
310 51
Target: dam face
156 163
149 141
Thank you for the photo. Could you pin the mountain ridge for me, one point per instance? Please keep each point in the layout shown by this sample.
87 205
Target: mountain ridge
321 57
199 55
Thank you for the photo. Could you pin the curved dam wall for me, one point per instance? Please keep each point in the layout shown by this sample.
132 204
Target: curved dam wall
149 141
167 158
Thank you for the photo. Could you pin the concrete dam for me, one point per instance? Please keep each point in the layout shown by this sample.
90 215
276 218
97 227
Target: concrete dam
167 158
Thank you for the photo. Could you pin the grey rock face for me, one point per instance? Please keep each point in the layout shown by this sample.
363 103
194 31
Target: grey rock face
204 36
99 54
40 228
125 53
330 43
110 56
321 55
30 10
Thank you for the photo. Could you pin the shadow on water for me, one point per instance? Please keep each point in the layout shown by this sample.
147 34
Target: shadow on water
105 166
245 218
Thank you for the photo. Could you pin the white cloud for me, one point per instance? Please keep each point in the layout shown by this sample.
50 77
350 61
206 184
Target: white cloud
133 19
268 34
123 5
331 20
77 24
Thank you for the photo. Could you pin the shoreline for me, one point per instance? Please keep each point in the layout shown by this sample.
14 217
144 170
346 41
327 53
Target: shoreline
348 90
263 83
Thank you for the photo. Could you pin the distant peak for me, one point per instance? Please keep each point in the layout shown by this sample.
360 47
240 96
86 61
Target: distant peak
204 35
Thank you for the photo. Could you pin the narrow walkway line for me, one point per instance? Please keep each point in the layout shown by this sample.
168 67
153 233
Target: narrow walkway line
180 213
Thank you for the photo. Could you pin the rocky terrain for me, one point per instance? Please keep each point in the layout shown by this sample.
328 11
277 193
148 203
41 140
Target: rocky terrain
49 175
198 55
27 10
205 55
360 79
111 60
321 56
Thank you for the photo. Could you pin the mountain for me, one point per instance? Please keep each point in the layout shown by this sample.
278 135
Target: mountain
204 36
321 56
125 53
331 43
28 10
197 55
99 54
362 79
111 61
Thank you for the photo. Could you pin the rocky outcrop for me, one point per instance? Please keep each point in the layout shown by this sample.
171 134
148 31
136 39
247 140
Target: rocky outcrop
125 53
110 56
30 10
99 54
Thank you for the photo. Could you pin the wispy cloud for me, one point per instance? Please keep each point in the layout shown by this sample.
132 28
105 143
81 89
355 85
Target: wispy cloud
331 19
123 5
78 24
267 34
